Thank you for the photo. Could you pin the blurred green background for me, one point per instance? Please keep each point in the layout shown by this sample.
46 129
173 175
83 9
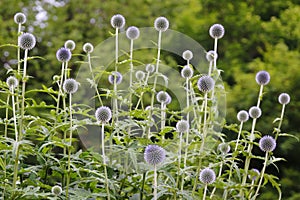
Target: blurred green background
259 35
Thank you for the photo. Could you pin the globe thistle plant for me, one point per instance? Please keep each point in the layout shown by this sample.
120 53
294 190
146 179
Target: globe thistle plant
70 44
56 190
154 154
12 82
224 148
187 72
103 114
253 174
88 48
161 24
20 18
211 55
207 176
255 112
150 68
115 75
27 41
117 21
63 54
140 75
70 86
162 97
205 83
187 55
132 33
243 116
182 126
216 31
262 77
284 98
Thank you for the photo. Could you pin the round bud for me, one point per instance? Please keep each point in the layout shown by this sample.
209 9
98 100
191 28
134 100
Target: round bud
207 176
26 41
262 77
161 24
255 112
154 154
12 82
253 174
150 68
70 44
182 126
70 86
88 48
140 75
132 33
284 98
103 114
205 83
113 75
267 143
224 148
187 72
162 97
211 55
56 190
20 18
216 31
117 21
243 116
63 54
187 55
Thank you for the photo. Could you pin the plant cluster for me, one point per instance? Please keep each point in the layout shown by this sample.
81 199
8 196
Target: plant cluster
146 150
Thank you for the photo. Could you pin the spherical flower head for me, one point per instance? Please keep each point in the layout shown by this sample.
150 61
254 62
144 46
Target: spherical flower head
63 54
262 77
224 148
187 55
205 83
56 190
12 82
243 116
253 174
182 126
70 86
216 31
20 18
70 44
169 99
27 41
103 114
88 48
150 68
162 97
140 75
154 154
117 21
255 112
187 72
267 143
161 24
284 98
132 33
211 55
207 176
113 75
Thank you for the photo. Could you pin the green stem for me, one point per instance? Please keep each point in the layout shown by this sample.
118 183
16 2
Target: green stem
205 189
104 161
261 175
23 95
16 166
238 138
6 116
131 72
155 184
115 100
219 175
280 122
179 160
260 95
14 115
163 117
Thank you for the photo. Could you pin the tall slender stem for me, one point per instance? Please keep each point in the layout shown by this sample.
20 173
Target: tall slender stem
219 175
104 161
155 184
60 87
179 159
23 95
131 72
163 116
280 122
115 100
261 175
205 190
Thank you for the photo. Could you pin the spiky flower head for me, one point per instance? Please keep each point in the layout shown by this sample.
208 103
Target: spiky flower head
262 77
182 126
115 75
70 86
207 176
161 24
162 97
12 82
187 55
224 148
253 174
117 21
216 31
211 55
154 154
255 112
103 114
205 83
140 75
132 33
243 116
150 68
63 54
56 190
267 143
284 98
20 18
187 72
88 48
70 44
26 41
